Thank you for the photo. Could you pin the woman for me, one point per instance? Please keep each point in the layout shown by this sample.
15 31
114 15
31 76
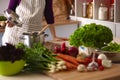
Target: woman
31 12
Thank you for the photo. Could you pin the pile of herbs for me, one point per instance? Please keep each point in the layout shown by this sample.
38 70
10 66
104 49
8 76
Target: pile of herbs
112 47
9 52
37 57
91 35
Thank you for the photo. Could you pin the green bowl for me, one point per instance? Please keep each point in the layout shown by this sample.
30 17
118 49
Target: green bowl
8 68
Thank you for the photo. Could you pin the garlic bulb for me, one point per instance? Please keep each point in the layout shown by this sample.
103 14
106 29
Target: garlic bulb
93 66
102 56
107 63
81 68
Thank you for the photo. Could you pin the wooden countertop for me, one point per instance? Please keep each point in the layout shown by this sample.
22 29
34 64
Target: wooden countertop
112 73
27 76
64 22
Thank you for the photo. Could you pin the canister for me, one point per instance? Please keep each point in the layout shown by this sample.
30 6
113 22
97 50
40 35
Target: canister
84 9
102 12
90 10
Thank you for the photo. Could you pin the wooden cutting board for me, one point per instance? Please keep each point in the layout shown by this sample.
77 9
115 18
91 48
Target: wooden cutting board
112 73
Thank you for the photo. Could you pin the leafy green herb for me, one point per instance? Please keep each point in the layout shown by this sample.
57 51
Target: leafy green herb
91 35
112 47
37 57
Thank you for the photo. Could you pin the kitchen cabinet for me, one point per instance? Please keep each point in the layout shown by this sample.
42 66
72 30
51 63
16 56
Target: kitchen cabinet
78 16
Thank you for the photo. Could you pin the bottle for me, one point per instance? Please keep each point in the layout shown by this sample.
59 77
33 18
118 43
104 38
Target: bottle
72 10
102 12
111 13
90 10
84 10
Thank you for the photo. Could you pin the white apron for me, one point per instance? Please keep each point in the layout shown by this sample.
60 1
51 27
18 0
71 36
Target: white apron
31 13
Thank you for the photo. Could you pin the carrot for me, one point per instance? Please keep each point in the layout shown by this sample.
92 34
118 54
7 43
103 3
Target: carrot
81 61
70 65
68 58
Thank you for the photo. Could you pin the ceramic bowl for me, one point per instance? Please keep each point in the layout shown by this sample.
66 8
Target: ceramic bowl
8 68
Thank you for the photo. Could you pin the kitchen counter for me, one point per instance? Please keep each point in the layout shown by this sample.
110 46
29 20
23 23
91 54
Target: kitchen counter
108 74
26 76
112 73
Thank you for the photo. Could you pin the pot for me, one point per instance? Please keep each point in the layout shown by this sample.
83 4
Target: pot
30 38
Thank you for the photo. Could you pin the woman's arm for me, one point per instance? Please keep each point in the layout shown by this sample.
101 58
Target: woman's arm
48 12
49 16
13 4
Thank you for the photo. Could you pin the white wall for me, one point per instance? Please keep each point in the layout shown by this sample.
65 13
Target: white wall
3 5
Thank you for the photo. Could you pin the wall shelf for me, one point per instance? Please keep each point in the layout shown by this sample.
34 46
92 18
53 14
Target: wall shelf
113 25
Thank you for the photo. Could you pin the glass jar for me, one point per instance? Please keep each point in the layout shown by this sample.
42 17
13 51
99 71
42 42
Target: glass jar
72 10
111 13
90 10
102 12
84 10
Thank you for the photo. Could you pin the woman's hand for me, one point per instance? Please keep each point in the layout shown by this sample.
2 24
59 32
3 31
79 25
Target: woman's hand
60 39
2 23
9 24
